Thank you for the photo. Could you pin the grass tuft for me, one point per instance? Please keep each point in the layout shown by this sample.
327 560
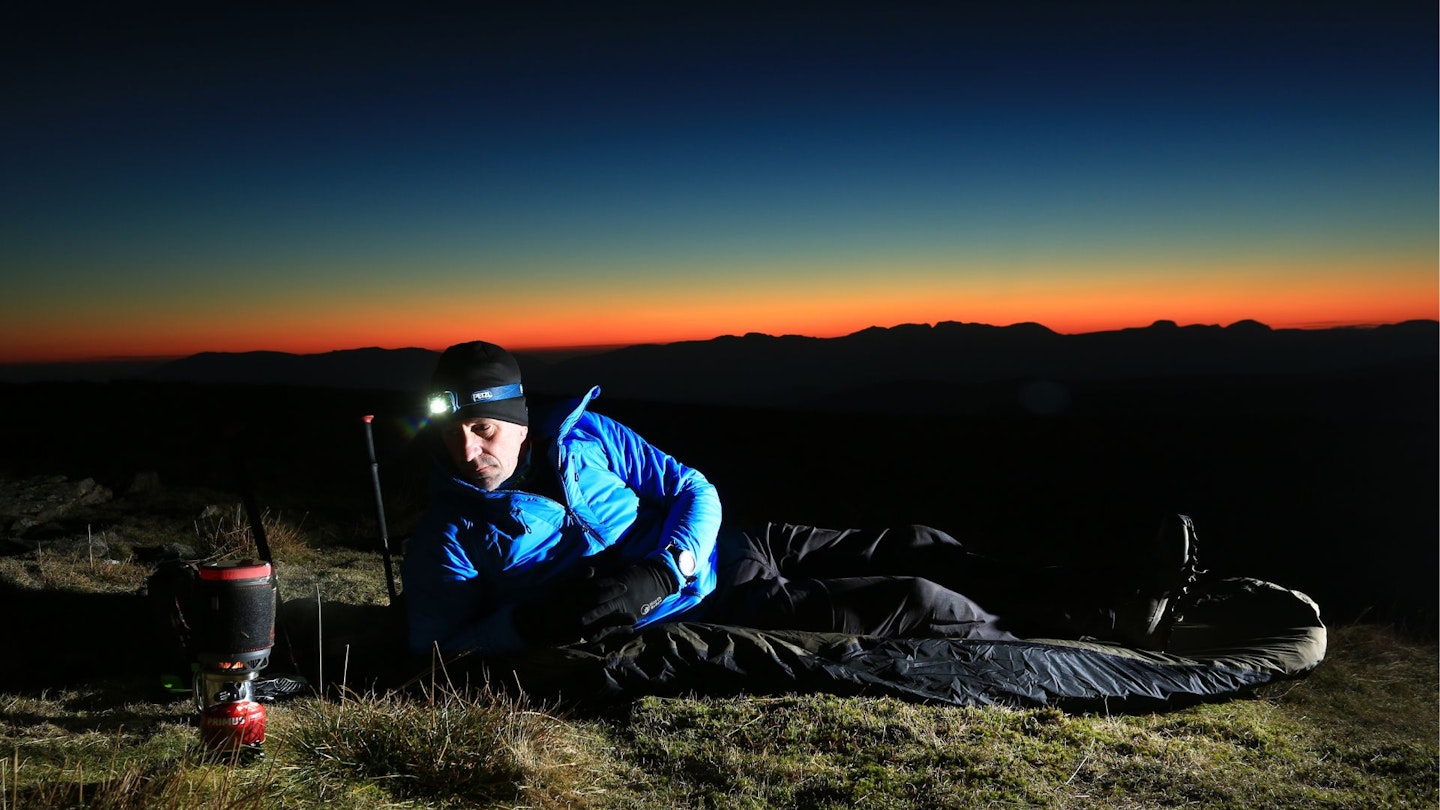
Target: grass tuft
449 747
224 533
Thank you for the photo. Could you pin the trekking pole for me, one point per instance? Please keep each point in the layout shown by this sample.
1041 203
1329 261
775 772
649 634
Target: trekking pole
380 508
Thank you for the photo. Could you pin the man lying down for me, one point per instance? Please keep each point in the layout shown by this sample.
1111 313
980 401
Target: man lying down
564 527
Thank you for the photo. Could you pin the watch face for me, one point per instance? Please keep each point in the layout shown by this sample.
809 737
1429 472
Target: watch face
686 561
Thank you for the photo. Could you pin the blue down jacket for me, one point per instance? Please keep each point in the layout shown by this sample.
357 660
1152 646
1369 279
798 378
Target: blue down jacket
476 554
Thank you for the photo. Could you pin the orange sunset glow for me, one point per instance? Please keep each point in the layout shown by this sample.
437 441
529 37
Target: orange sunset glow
316 193
1083 303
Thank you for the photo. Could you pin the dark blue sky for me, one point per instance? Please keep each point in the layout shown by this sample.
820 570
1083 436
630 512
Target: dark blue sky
309 182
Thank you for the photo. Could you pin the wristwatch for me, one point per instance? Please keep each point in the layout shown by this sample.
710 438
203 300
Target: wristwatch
684 560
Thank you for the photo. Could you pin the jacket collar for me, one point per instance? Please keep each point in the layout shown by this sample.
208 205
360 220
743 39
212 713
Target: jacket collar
562 420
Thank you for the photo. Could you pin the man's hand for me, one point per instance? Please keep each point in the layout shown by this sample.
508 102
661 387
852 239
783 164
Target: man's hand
587 604
622 599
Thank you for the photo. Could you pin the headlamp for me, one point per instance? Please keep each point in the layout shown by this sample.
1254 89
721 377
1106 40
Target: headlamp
444 403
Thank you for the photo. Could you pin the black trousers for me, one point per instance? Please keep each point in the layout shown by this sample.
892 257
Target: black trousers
909 581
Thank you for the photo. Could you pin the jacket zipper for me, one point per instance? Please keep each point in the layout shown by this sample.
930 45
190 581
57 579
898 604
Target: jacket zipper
570 513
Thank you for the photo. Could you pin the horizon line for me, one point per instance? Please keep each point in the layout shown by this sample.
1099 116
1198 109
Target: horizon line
603 347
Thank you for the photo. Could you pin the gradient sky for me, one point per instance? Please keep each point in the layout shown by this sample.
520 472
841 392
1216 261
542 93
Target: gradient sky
310 183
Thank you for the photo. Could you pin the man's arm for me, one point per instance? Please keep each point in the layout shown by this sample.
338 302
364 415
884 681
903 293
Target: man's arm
679 554
689 501
445 599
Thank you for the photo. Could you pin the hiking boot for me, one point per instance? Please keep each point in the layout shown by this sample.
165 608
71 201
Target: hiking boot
1145 622
1172 565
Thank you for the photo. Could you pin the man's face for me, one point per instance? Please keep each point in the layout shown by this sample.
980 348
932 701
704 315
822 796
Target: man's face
484 451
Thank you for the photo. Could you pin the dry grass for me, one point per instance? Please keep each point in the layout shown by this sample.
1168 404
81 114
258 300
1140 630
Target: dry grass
1359 733
225 533
82 748
450 747
215 533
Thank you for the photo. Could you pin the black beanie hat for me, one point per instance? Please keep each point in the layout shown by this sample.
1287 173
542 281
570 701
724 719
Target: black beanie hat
484 380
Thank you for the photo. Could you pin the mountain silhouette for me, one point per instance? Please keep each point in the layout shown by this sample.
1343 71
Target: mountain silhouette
398 369
878 368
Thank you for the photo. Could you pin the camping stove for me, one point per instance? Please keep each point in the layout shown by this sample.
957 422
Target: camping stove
234 632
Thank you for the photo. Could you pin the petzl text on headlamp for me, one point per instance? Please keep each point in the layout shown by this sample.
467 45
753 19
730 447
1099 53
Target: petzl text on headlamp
444 403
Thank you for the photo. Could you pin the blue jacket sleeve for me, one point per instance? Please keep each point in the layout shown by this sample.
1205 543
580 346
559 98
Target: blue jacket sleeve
444 592
688 500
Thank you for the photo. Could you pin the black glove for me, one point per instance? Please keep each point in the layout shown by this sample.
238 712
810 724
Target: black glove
586 604
624 598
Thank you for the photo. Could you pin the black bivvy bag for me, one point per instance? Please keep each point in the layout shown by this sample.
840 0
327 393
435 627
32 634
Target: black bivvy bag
1234 634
